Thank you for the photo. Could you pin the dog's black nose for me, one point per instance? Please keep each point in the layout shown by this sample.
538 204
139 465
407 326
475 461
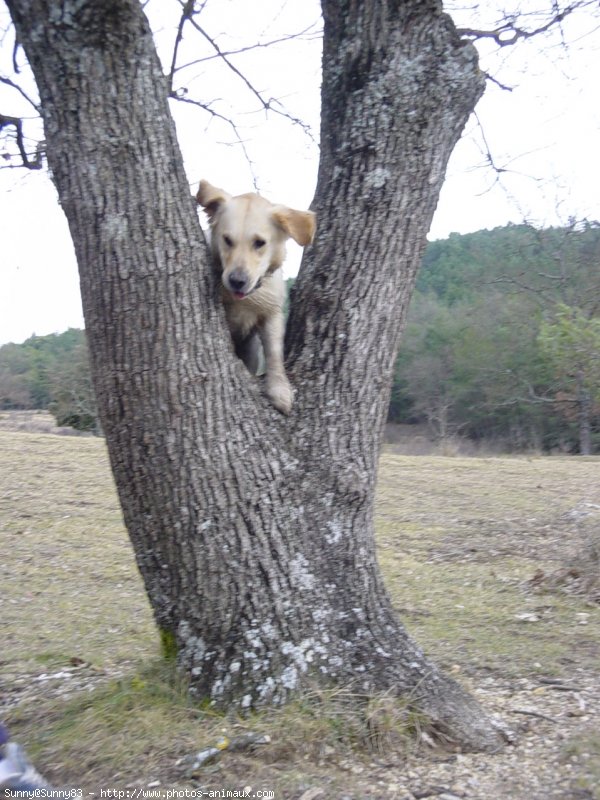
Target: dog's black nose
237 281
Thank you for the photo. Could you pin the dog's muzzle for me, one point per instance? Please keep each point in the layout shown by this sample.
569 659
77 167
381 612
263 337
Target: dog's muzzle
237 284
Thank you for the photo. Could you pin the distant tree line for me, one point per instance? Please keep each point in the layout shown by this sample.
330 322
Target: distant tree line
502 345
503 339
50 372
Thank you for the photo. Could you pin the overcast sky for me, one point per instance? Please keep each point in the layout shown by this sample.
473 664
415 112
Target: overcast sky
544 132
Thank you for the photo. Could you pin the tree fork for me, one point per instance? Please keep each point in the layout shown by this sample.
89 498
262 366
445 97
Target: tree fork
254 533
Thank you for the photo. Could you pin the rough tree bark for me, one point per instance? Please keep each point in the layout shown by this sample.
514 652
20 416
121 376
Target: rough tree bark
254 533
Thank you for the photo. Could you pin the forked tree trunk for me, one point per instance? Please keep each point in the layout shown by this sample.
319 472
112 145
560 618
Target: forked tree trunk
254 532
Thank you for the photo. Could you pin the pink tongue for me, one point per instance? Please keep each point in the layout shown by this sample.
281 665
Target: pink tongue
239 295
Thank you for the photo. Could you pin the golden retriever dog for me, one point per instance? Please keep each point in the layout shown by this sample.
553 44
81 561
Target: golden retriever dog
248 236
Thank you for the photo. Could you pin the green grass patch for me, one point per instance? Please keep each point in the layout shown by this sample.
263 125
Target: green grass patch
459 542
145 723
584 751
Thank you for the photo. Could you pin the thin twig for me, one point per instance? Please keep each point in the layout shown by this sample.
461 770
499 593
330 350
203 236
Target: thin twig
37 161
216 115
268 105
534 714
488 151
16 46
186 14
509 33
22 92
560 687
502 86
258 45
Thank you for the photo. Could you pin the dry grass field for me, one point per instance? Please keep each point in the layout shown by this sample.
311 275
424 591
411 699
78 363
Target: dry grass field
492 564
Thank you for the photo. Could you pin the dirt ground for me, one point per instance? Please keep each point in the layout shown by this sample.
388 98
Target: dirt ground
491 563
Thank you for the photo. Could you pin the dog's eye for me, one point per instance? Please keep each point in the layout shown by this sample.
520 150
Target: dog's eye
228 240
257 244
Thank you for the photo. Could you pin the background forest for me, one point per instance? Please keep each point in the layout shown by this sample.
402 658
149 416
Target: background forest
502 346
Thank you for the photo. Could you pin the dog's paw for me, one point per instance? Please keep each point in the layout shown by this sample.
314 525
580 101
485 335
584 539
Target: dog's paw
280 393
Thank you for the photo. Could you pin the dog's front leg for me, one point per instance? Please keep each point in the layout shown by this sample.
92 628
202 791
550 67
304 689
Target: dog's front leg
279 389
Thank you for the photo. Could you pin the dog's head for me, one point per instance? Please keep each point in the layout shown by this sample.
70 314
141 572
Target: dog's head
248 235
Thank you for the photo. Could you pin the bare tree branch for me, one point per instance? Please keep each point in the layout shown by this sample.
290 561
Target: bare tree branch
509 32
21 91
540 295
544 291
495 81
31 163
268 105
300 35
188 10
488 151
14 55
183 98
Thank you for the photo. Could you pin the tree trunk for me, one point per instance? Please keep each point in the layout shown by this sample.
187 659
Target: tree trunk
254 532
584 415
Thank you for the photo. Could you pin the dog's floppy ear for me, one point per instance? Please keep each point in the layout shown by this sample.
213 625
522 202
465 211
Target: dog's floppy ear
211 198
300 225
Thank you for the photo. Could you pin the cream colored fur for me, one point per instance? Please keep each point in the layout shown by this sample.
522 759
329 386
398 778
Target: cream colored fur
248 236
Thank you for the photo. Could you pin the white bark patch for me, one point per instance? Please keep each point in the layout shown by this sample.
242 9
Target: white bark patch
288 462
269 631
438 169
300 575
300 656
253 637
192 649
266 689
115 229
377 178
335 534
289 677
